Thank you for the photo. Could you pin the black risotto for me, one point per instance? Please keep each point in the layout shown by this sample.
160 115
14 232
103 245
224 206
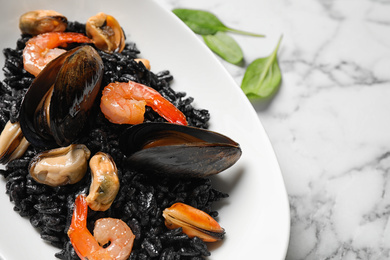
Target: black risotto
141 198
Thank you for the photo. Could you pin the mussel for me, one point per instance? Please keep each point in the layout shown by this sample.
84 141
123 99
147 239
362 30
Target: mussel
145 62
55 109
105 182
194 222
60 166
41 21
12 143
106 33
177 150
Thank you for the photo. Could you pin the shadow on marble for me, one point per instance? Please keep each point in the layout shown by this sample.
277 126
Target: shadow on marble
264 104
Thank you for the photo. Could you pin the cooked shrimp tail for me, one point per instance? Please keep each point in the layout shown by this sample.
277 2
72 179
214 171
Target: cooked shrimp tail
124 103
82 240
88 246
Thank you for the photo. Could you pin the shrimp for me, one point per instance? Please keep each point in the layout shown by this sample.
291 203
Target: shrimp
42 48
88 246
124 103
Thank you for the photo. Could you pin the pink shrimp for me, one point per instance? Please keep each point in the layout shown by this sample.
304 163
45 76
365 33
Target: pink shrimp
124 103
88 246
42 48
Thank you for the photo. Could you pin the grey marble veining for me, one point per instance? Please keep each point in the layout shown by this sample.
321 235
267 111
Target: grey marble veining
329 123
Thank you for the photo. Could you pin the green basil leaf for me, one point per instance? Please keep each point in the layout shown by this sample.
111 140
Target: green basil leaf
224 46
262 77
204 23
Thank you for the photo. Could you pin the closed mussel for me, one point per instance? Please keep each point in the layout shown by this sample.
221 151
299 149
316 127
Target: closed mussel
193 222
55 109
180 151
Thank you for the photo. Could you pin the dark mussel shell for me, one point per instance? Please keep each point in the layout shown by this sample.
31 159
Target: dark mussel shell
76 77
177 150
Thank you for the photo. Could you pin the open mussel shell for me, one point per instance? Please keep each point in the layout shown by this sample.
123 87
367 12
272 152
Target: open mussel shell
177 150
55 109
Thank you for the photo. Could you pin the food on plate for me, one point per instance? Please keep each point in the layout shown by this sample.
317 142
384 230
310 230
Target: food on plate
56 108
177 150
124 103
60 166
107 230
12 143
194 222
106 33
41 21
145 62
42 49
105 182
53 124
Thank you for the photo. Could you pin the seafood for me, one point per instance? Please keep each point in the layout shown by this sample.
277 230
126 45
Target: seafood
42 21
88 246
194 222
124 103
145 62
41 49
181 151
55 109
106 33
44 124
61 166
12 143
105 182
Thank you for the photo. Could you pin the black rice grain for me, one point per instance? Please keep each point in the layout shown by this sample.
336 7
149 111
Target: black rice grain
141 199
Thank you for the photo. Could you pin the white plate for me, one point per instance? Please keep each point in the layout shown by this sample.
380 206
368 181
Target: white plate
256 215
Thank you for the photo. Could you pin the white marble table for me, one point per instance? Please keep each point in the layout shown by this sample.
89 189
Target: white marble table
329 123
